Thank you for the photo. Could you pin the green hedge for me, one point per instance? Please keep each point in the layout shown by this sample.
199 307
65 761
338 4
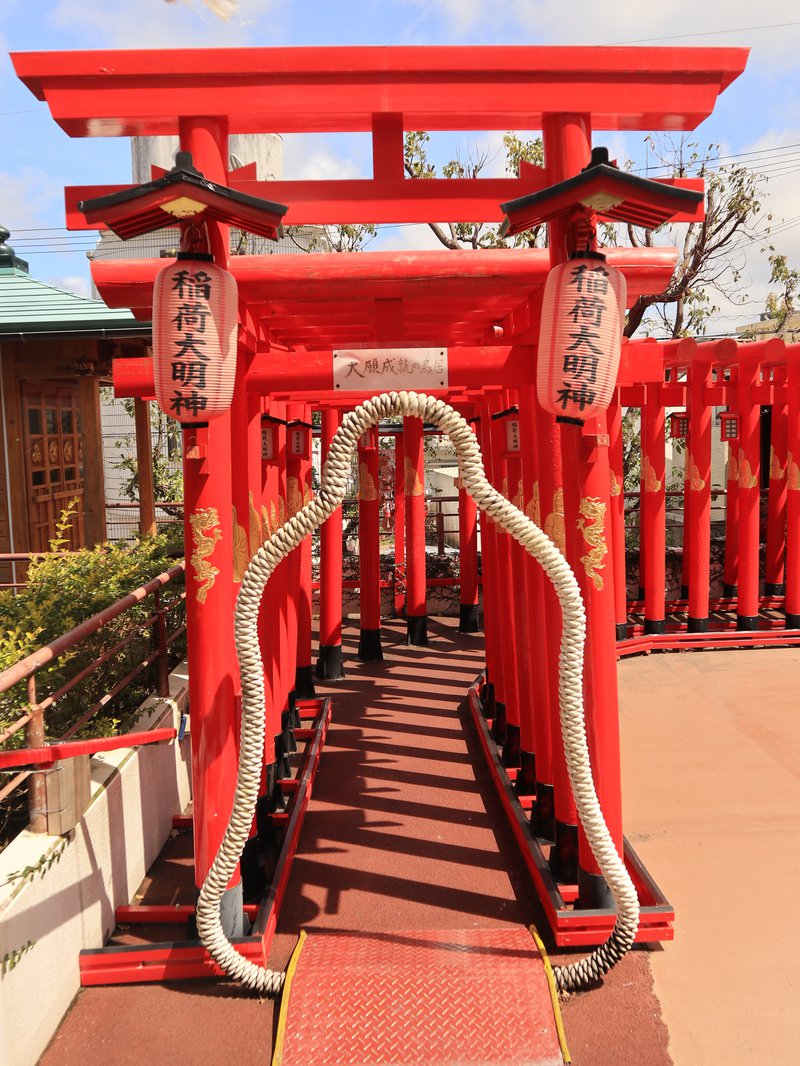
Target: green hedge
64 590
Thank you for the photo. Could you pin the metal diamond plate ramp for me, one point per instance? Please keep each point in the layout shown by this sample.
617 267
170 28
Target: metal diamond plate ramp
403 999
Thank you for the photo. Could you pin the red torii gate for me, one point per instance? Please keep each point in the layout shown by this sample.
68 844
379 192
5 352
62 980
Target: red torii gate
297 312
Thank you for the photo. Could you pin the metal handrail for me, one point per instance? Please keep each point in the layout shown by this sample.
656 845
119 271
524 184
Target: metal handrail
25 671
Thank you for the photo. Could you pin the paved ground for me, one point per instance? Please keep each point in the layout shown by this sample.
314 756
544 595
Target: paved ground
404 831
711 767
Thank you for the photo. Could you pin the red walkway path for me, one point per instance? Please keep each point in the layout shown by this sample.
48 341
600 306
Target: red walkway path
404 832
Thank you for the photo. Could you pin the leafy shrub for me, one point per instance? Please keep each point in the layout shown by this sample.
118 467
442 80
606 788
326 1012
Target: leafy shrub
63 590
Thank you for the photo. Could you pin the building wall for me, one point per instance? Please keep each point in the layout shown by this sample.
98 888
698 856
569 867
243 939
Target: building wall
70 906
6 539
50 361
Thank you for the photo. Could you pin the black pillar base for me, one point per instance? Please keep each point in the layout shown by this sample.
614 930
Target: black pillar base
655 625
231 912
304 683
771 589
793 621
468 618
287 734
593 892
329 663
525 784
254 875
697 625
747 622
487 700
622 630
543 821
268 835
294 714
369 645
231 915
641 593
510 757
564 853
684 592
282 769
730 592
499 723
417 629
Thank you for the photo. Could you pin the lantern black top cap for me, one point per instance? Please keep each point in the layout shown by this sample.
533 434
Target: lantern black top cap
610 192
183 194
588 253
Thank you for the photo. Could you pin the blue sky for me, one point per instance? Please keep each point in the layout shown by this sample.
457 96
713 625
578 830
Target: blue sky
757 119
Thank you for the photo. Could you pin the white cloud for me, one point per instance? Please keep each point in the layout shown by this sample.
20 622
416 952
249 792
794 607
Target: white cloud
725 23
71 283
306 157
406 239
156 24
30 198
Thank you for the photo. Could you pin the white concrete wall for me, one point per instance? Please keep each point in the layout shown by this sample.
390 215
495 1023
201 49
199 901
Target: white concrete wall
135 792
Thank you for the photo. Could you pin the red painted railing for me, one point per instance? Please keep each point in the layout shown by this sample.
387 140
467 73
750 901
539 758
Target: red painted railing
33 720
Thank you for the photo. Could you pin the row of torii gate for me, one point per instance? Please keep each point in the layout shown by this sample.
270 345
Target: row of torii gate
321 332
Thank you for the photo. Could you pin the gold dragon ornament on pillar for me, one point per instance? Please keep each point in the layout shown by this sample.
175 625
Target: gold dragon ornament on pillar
554 523
792 473
366 484
205 534
533 509
591 522
411 481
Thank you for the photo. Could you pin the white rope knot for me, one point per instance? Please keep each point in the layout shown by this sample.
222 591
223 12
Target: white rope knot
570 687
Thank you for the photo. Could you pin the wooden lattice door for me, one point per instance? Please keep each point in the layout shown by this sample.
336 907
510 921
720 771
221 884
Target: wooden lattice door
53 460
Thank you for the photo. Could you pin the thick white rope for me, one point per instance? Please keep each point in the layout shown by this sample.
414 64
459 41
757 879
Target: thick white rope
573 728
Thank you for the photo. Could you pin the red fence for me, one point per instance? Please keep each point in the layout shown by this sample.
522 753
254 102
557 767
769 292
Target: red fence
25 671
757 384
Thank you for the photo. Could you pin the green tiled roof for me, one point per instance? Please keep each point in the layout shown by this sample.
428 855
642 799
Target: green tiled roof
30 306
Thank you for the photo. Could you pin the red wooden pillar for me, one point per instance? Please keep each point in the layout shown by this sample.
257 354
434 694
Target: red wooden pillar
246 475
535 761
208 534
304 674
497 467
281 578
731 572
329 663
298 446
274 617
567 147
495 696
774 570
698 479
525 781
793 492
399 527
269 615
414 481
497 661
564 854
617 515
246 483
749 492
369 547
686 524
468 621
654 529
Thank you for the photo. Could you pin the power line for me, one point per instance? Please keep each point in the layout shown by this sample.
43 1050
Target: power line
25 111
709 33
